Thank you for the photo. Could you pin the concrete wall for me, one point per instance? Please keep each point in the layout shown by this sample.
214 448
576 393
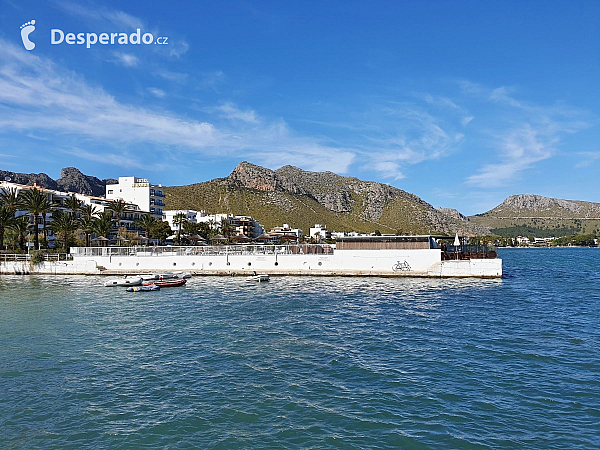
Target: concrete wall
342 262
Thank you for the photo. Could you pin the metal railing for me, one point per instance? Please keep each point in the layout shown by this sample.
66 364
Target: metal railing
11 257
469 251
302 249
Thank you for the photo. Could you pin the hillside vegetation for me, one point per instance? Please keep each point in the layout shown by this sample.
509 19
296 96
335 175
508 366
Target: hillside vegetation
300 198
534 215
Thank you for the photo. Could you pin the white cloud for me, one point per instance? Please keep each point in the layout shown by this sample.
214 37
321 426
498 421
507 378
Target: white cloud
159 93
520 149
37 95
466 120
587 159
232 112
527 133
419 137
126 59
93 13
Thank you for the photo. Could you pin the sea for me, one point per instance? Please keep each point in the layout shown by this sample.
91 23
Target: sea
307 362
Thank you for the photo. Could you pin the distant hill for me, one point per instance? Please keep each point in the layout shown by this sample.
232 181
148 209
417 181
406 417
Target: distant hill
71 180
301 198
527 214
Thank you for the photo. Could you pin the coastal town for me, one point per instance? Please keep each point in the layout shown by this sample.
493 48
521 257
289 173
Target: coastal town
132 212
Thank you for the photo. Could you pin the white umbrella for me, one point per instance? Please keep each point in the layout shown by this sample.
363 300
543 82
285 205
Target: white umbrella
456 240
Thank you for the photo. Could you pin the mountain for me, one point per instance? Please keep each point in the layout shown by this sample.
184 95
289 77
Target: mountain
527 215
71 180
301 199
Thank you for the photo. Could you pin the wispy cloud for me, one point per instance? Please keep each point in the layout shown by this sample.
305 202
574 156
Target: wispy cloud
126 59
525 133
520 149
123 21
176 77
232 112
37 95
587 159
95 13
418 136
159 93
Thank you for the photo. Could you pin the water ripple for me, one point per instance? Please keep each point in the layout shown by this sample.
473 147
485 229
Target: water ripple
307 362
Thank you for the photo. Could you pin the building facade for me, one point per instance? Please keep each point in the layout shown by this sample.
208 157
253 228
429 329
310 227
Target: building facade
139 191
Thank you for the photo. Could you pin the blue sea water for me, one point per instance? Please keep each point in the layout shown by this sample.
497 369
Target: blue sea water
305 362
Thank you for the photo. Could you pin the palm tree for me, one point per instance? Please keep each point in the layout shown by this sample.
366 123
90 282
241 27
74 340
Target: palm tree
119 207
148 223
227 229
63 224
10 199
103 225
89 214
20 226
34 201
73 204
47 206
6 219
179 219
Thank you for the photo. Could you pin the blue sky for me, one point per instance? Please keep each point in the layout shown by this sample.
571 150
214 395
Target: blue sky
462 103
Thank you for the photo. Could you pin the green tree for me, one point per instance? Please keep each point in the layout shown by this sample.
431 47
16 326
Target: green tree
45 208
147 222
227 229
89 213
9 198
103 224
161 230
64 224
34 201
204 230
179 219
6 219
119 207
73 204
20 225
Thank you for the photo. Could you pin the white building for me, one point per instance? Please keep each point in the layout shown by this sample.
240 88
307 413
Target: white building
170 214
319 232
286 230
139 191
59 198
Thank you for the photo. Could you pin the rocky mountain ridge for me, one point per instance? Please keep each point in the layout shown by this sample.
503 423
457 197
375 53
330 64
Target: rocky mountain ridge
545 207
527 214
347 203
71 180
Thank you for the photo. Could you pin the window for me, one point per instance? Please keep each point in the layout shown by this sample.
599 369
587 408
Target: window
110 191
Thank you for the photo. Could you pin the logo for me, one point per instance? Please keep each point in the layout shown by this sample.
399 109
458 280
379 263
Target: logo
26 30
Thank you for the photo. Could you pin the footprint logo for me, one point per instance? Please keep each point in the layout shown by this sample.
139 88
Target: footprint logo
26 30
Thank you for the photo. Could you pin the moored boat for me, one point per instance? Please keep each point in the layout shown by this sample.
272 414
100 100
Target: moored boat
258 277
125 281
148 276
166 283
148 288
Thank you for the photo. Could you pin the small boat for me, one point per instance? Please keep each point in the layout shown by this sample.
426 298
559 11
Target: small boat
258 277
182 274
166 276
166 283
150 287
148 277
125 281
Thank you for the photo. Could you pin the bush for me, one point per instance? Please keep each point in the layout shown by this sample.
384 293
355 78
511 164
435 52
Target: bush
36 257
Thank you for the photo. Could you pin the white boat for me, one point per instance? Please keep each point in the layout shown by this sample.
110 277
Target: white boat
152 287
125 281
181 274
258 277
166 276
148 277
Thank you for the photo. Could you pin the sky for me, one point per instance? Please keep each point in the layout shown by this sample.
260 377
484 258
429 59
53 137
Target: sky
462 103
